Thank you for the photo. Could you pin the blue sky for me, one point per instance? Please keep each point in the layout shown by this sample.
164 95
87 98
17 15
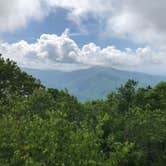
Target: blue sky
56 23
68 35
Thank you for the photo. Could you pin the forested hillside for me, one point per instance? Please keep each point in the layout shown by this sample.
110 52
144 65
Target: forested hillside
92 83
48 127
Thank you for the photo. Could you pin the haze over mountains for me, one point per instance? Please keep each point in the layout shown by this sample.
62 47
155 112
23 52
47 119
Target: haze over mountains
93 83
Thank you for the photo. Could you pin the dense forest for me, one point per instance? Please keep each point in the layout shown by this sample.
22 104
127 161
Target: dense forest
49 127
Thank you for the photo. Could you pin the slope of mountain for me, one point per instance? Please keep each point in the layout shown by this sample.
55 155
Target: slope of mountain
92 83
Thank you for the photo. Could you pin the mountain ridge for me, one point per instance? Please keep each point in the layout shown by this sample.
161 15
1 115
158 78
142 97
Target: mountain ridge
92 83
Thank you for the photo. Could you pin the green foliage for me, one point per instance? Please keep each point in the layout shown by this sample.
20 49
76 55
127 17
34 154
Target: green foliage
48 127
15 82
124 96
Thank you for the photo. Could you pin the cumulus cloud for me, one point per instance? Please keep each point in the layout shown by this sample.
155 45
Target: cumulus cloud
61 52
49 52
140 21
16 13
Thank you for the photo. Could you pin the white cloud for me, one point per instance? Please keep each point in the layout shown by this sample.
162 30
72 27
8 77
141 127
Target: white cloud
16 13
61 52
140 21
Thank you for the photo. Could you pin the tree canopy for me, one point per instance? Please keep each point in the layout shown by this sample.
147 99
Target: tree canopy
50 127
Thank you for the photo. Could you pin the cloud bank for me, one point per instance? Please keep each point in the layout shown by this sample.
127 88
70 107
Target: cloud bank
138 21
62 53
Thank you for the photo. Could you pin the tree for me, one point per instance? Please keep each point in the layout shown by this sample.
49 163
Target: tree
13 81
124 96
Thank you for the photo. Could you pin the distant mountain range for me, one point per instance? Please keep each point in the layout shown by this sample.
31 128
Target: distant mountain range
93 83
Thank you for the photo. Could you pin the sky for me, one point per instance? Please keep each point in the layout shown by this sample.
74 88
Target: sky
70 34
